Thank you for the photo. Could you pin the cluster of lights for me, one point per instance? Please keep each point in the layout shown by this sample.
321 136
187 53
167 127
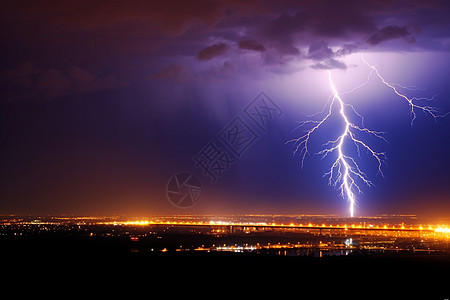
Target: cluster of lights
439 229
442 230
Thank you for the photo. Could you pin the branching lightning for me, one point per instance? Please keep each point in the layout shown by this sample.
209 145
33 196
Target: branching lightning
432 111
345 174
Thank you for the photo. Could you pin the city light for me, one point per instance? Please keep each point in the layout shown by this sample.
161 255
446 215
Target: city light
318 236
223 226
442 229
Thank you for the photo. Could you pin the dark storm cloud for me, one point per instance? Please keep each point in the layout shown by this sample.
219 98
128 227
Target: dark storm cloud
324 56
139 38
212 51
312 23
389 33
252 45
346 49
311 29
319 51
329 19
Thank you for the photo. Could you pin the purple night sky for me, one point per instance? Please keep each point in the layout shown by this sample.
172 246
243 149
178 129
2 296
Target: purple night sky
103 102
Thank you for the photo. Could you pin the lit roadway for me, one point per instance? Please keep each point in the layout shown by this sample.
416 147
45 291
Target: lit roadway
273 225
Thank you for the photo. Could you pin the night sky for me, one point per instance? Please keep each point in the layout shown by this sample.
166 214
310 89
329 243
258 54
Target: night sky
102 102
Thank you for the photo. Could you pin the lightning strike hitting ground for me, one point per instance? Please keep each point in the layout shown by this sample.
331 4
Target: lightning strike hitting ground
345 173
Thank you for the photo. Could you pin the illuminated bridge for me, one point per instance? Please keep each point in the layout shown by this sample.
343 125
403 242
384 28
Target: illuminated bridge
231 226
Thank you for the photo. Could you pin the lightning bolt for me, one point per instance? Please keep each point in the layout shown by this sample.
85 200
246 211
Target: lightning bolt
430 110
345 174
